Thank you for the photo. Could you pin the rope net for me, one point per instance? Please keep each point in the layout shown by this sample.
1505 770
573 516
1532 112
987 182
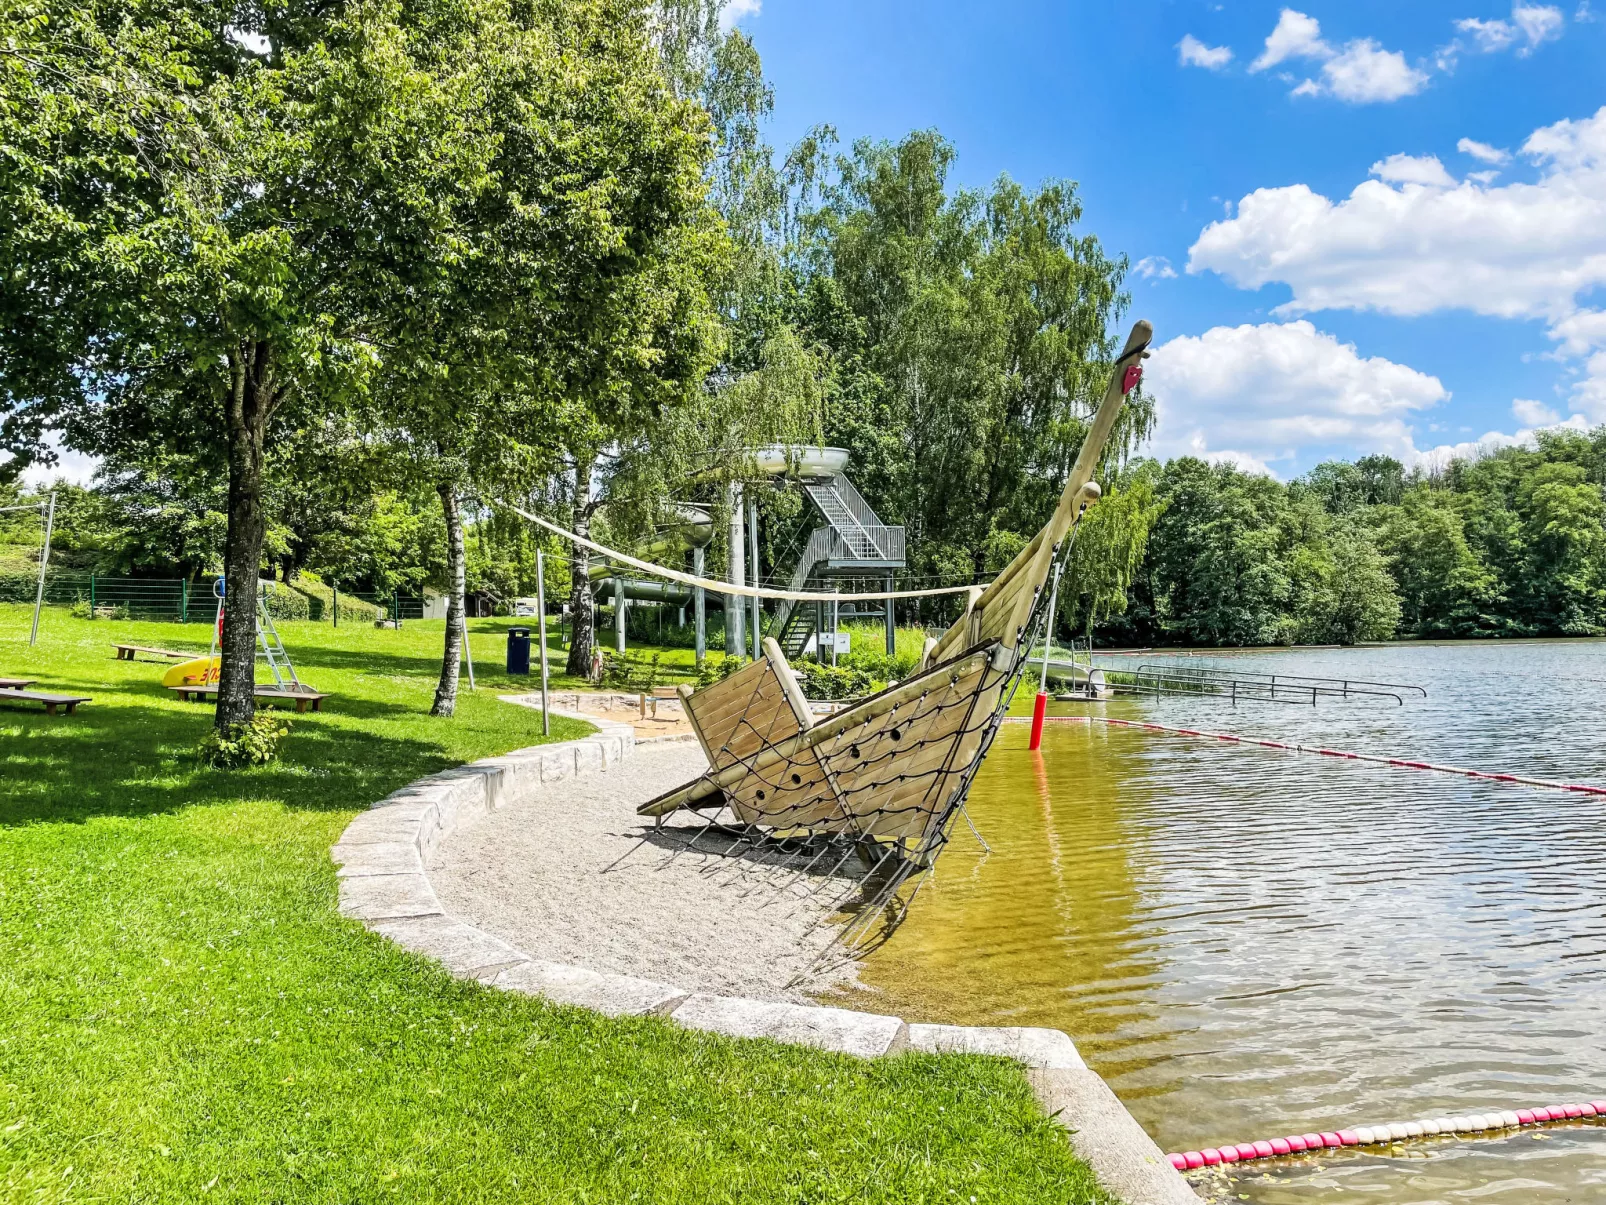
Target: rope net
855 821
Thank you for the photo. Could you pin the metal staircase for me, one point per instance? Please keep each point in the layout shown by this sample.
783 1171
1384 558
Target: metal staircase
852 543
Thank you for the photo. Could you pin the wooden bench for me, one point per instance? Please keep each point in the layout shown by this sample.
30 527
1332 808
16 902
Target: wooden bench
127 652
272 694
50 701
16 683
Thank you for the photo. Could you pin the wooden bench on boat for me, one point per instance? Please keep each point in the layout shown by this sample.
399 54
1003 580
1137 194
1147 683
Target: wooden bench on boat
50 701
128 652
269 694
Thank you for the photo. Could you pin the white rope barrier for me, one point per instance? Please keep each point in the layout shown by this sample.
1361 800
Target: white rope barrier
717 587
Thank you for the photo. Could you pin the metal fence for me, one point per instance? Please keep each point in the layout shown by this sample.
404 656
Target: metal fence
177 600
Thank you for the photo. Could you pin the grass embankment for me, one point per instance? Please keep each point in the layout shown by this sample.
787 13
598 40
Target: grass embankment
186 1017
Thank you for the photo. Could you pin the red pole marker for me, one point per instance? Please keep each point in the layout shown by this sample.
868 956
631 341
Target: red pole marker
1039 712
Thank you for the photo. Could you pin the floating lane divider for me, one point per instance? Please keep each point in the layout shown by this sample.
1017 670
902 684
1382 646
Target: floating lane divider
1404 763
1294 1144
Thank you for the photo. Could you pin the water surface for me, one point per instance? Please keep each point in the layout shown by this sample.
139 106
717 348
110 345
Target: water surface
1248 943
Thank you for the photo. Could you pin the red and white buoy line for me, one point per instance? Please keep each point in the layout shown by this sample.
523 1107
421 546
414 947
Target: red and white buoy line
1294 1144
1403 763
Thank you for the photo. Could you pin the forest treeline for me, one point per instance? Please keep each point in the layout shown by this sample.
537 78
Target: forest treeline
1507 543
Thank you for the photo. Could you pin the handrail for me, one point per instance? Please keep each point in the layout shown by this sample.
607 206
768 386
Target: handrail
1216 670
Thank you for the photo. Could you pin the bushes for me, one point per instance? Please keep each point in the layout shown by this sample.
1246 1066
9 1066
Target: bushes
252 743
833 682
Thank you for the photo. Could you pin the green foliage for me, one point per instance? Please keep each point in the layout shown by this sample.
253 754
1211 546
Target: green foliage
631 670
254 742
833 682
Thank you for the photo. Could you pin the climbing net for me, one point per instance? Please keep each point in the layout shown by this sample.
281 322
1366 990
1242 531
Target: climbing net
850 825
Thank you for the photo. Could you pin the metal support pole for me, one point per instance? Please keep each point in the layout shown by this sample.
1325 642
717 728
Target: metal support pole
836 626
44 559
758 614
619 614
735 608
700 607
1048 639
335 586
468 654
892 631
540 607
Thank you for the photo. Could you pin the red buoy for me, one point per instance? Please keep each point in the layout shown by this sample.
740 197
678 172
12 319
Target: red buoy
1039 711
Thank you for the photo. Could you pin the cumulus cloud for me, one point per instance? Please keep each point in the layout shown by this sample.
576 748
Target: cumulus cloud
1155 266
1524 250
1191 52
1359 72
1530 25
1295 37
1412 169
1483 152
735 10
1364 73
1262 393
1535 414
75 468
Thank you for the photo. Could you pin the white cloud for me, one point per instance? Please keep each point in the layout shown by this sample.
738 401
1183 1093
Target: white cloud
1152 266
1524 250
1580 332
1242 461
1191 52
1360 72
1490 441
1534 414
1364 73
75 468
735 10
1295 37
1529 26
1267 391
1483 152
1412 169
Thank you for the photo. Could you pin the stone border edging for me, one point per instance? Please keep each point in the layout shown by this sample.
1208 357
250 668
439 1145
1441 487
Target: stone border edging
382 862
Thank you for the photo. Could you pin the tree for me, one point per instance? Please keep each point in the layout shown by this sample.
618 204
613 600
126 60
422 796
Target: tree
247 282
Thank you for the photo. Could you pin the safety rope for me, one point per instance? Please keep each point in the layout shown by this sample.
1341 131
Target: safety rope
718 587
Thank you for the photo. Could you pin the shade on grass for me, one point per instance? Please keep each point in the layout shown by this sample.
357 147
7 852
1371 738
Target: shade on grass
187 1018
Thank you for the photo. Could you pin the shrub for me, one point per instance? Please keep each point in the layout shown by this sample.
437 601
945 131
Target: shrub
252 743
629 671
832 682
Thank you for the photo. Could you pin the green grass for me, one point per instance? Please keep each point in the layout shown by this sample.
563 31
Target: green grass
186 1017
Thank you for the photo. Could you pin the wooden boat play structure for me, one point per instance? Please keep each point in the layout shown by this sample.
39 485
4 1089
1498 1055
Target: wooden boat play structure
880 784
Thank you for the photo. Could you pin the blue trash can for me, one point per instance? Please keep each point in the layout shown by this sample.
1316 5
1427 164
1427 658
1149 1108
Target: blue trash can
518 650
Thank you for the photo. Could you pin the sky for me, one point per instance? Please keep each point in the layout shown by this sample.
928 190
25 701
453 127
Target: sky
1356 227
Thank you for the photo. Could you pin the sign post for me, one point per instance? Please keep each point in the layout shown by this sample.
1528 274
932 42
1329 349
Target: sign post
44 559
540 606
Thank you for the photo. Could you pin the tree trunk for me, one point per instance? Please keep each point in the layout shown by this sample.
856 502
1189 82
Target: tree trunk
452 656
582 642
249 406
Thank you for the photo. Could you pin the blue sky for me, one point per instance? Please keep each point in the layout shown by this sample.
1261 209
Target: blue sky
1325 274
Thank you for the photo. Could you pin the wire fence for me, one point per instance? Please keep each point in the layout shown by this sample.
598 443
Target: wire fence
180 600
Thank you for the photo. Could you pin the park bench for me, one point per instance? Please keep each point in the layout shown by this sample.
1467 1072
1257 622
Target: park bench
128 652
50 701
271 694
651 700
15 683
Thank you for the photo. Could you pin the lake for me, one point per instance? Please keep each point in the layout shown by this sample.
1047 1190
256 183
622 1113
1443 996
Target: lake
1249 943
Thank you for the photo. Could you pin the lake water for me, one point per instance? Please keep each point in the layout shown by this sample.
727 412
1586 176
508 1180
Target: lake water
1248 943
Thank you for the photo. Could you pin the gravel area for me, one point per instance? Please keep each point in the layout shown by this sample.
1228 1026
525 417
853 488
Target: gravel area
567 876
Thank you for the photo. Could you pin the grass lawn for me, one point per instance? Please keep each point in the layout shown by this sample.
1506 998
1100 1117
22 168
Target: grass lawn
186 1017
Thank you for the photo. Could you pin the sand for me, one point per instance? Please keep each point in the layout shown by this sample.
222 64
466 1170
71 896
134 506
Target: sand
566 876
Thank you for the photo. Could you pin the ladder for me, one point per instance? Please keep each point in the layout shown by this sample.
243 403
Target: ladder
273 648
837 512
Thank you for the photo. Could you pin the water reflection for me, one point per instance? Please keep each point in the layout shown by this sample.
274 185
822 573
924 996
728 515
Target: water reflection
1248 943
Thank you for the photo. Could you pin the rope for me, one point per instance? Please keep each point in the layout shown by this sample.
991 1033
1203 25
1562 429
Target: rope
1270 1148
1400 762
687 579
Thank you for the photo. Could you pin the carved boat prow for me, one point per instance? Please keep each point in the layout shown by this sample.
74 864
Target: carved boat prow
890 773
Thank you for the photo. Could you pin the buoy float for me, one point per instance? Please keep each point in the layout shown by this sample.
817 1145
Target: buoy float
1380 1135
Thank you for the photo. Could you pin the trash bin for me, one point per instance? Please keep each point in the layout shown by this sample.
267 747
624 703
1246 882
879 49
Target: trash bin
518 650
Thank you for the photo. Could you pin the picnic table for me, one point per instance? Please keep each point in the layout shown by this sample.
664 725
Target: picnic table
127 652
272 694
50 701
